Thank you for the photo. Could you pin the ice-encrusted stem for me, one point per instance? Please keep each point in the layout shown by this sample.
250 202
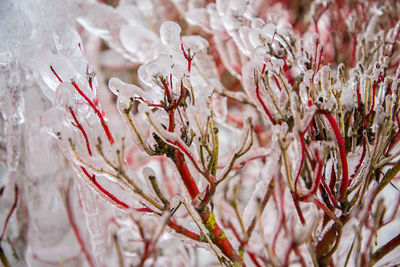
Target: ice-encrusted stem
16 190
76 230
78 125
218 236
92 178
98 113
260 99
91 104
342 153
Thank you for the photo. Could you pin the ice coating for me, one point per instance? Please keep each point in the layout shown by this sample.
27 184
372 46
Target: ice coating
319 154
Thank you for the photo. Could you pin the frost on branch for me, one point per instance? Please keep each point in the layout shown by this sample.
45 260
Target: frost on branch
253 133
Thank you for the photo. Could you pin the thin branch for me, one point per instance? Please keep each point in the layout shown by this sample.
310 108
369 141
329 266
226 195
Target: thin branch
75 228
136 131
219 256
385 249
10 213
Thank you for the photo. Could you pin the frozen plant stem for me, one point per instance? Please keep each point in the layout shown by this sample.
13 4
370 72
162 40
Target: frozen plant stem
220 258
75 228
10 213
79 126
336 98
3 257
342 153
284 148
91 104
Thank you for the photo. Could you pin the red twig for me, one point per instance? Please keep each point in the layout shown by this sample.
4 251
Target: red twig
385 249
298 209
187 56
178 102
263 104
92 105
373 95
181 230
254 259
145 254
358 97
329 192
171 116
342 153
263 69
147 102
277 82
10 213
327 211
79 126
360 162
167 91
218 236
55 74
317 180
303 153
103 190
393 44
288 72
75 228
207 217
209 178
187 177
172 224
96 110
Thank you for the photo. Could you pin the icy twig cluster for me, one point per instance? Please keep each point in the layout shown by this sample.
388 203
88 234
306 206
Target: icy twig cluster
267 134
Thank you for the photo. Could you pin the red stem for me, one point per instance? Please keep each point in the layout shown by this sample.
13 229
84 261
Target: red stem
10 213
329 192
55 74
96 110
254 259
385 249
373 96
181 230
328 212
342 153
79 126
358 97
303 152
103 190
277 82
263 69
263 104
145 254
187 178
207 218
187 56
209 178
90 102
298 209
178 102
167 91
360 162
77 233
149 104
317 180
171 116
218 236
